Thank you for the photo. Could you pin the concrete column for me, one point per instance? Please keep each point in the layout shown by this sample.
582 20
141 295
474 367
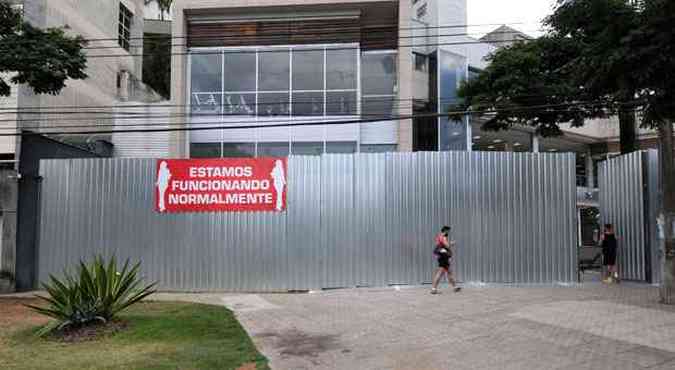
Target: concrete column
534 143
124 86
178 140
405 79
590 175
469 134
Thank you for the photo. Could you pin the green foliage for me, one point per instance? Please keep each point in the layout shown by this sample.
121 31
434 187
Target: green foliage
6 275
525 75
43 59
157 63
95 294
163 5
650 48
160 335
575 72
599 28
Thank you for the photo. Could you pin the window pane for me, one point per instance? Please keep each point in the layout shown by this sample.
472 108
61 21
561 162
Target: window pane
238 149
378 107
307 70
341 147
308 104
452 134
205 150
273 149
239 104
378 73
274 70
205 102
420 62
310 148
341 103
340 69
272 104
240 72
378 148
206 73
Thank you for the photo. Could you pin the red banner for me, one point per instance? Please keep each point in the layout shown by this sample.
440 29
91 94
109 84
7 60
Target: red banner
221 185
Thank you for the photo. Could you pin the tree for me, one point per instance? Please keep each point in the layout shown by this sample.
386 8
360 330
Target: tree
528 84
599 28
42 59
571 73
163 5
649 51
622 58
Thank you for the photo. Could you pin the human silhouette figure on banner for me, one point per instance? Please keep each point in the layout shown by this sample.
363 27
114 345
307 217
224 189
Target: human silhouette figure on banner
163 177
279 179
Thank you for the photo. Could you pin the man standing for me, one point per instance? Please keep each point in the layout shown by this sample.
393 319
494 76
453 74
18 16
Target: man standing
609 254
443 254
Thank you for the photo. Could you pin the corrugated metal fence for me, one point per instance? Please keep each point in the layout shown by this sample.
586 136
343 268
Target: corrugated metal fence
628 200
352 220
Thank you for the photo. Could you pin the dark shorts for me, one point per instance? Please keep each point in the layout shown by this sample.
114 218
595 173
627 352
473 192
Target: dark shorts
444 263
609 257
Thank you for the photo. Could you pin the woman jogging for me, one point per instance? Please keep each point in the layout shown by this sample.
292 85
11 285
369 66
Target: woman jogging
443 254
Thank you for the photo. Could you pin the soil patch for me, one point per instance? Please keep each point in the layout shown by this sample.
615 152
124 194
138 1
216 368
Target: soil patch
14 314
248 366
89 332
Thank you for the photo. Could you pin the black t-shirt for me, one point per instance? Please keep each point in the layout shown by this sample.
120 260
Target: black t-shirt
609 243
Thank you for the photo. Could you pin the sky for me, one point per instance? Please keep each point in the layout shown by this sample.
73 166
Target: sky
523 15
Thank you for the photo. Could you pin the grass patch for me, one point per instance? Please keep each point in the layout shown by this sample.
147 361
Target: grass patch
166 335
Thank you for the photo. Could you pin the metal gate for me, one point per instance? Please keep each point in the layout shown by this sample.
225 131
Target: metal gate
352 220
629 200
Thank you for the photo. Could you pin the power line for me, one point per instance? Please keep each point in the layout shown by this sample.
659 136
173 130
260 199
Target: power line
290 116
274 37
337 27
136 115
269 124
272 47
56 109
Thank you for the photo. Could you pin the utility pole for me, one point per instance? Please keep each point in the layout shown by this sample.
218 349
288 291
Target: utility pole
667 216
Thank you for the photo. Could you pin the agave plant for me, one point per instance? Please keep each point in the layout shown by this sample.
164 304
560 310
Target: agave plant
96 293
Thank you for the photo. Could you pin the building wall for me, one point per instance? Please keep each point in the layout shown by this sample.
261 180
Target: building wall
142 144
96 21
8 206
8 105
179 140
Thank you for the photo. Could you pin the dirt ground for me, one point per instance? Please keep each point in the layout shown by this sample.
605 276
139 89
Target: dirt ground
15 315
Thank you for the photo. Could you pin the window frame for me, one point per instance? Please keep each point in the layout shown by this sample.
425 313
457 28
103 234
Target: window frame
125 21
257 50
417 57
256 119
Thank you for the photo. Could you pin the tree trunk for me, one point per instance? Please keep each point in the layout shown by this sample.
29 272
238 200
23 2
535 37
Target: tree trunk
667 216
628 130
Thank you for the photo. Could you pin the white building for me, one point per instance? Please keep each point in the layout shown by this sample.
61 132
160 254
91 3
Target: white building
114 29
299 62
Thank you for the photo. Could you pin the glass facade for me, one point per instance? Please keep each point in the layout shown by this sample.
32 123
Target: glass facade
452 70
268 86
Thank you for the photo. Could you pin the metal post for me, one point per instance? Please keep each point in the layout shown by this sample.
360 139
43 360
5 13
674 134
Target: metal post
534 141
590 175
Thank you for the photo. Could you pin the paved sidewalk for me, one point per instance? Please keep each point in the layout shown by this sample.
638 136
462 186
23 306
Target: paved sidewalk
495 327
